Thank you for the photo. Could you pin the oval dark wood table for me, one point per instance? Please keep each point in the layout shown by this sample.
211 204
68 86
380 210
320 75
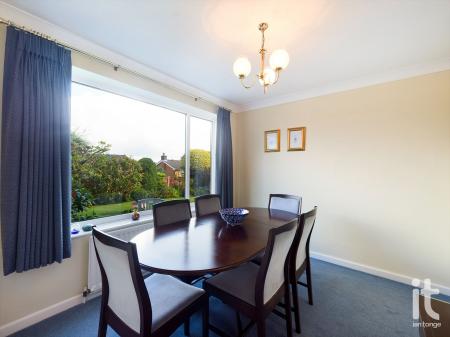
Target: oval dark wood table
207 244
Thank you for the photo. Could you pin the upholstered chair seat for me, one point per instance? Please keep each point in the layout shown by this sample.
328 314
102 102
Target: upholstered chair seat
169 296
258 259
239 282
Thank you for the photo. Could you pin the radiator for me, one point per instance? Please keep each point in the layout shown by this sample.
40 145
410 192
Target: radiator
126 234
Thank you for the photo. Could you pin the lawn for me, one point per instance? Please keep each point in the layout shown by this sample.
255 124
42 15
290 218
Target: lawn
99 211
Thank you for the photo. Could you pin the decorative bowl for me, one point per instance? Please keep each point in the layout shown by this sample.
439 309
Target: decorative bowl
233 216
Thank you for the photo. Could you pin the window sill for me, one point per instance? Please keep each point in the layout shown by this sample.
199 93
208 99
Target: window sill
116 224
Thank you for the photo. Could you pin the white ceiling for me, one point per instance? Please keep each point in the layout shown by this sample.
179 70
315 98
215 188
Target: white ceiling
197 41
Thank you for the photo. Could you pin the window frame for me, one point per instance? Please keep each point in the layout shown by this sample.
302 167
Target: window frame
107 84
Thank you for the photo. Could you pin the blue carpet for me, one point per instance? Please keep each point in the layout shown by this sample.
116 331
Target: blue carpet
347 303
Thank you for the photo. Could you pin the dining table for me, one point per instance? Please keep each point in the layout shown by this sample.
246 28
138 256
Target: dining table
207 244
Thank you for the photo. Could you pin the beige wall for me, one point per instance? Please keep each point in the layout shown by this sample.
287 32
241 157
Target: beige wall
377 165
25 293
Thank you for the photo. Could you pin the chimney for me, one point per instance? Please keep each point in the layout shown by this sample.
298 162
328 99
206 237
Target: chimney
163 156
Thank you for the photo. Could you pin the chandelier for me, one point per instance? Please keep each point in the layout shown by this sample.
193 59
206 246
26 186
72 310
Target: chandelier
279 59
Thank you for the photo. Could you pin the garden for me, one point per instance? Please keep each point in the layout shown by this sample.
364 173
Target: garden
105 184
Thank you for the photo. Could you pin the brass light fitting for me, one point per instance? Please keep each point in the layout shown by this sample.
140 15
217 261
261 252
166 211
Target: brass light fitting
279 59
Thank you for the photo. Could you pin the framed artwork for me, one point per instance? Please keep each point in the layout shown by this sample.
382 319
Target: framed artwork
272 141
296 139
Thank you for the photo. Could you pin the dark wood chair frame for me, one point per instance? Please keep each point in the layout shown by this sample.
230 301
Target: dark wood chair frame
203 197
294 273
286 196
107 315
155 208
185 279
260 311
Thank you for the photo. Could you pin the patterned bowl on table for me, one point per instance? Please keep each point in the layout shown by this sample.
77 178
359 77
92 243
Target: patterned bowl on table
233 216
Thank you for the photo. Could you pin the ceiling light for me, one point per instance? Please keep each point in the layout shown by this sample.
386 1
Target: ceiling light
279 60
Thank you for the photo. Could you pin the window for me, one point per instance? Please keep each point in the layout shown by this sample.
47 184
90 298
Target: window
200 159
128 154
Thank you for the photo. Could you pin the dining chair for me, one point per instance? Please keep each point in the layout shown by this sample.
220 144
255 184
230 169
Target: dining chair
282 202
135 307
207 204
168 212
285 202
255 290
300 261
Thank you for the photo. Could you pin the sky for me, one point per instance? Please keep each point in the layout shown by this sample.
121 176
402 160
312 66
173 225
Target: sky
134 128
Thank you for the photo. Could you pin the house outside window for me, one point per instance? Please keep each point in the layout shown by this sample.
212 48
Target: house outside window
172 169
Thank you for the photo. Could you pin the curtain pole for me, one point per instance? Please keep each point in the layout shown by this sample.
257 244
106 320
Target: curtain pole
100 59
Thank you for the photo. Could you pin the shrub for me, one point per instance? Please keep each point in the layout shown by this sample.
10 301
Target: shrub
112 198
81 200
140 193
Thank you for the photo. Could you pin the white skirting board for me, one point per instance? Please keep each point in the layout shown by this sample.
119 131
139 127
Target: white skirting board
39 315
375 271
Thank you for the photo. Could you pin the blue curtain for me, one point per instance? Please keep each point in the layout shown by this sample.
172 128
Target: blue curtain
224 158
35 152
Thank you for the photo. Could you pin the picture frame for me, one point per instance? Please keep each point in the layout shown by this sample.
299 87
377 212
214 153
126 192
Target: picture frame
272 141
296 138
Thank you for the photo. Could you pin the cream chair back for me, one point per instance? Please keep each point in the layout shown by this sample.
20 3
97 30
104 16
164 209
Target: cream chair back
307 221
285 202
273 271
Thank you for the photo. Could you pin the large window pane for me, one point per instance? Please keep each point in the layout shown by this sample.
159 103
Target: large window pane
125 154
200 156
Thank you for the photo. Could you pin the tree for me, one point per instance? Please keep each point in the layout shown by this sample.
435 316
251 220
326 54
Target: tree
81 201
84 157
164 191
149 175
200 171
117 174
103 174
200 160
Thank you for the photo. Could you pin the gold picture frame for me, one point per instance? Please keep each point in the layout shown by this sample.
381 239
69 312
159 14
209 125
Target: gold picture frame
296 139
272 140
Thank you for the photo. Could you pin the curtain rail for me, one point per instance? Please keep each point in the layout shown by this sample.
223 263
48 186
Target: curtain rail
115 66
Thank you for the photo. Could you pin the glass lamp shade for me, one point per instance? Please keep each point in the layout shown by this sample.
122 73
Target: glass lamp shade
269 77
279 59
242 67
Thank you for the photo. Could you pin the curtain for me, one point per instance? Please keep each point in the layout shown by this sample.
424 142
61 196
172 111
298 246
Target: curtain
35 152
224 158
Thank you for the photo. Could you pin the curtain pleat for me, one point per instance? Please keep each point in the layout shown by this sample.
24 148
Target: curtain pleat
35 162
224 158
